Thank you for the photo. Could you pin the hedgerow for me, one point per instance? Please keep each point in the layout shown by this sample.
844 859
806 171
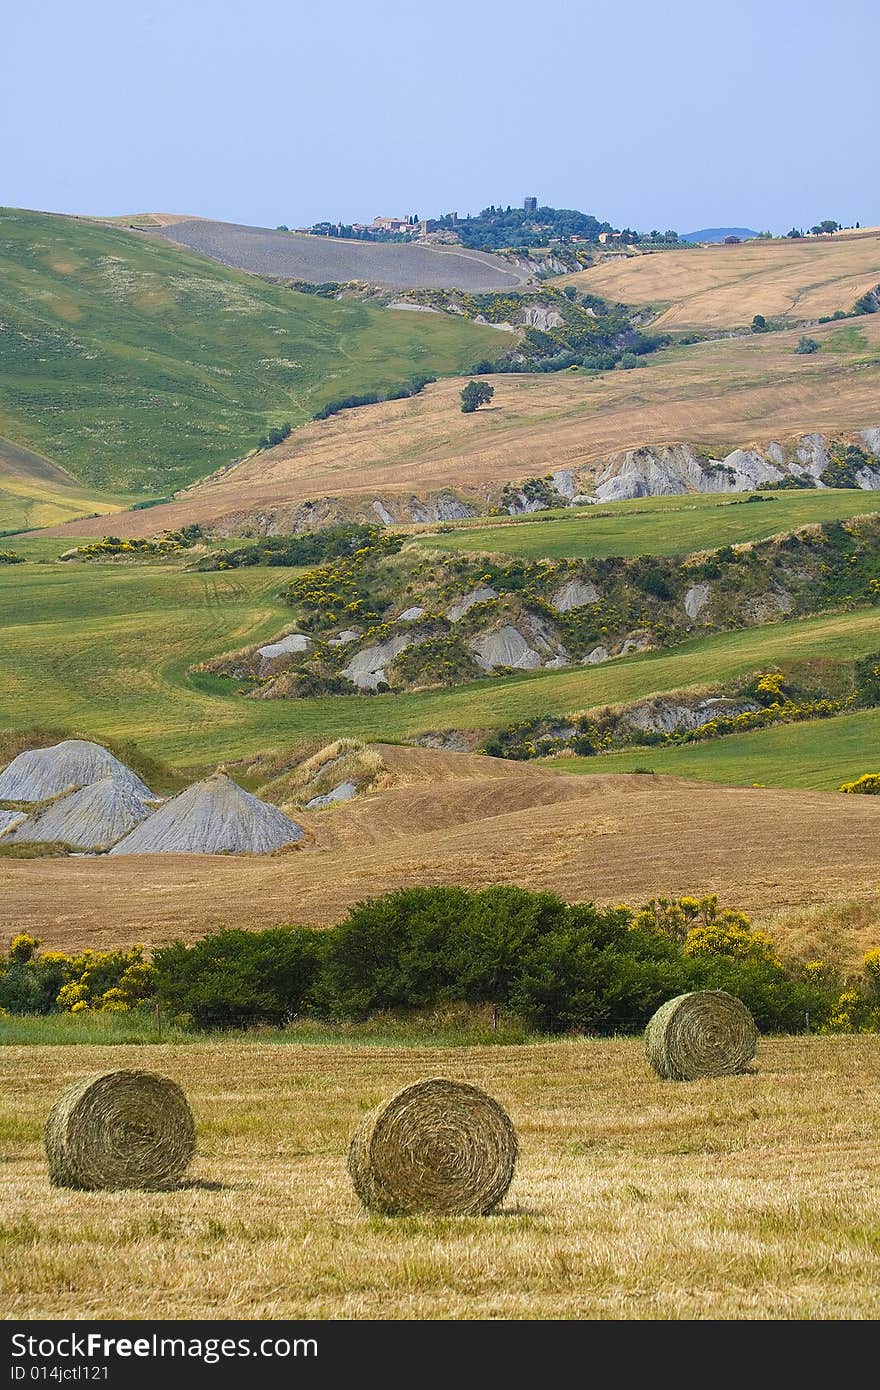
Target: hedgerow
560 967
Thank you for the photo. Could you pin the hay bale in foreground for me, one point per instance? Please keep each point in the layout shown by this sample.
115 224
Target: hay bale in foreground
705 1033
439 1146
120 1129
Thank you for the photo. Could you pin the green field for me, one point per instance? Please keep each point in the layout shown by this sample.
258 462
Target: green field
140 367
655 525
105 649
822 754
33 493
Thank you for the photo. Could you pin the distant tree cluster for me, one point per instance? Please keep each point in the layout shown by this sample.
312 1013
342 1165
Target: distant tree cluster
825 228
497 227
275 436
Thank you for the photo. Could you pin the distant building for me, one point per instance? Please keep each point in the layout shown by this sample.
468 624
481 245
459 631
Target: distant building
604 237
732 240
389 224
530 204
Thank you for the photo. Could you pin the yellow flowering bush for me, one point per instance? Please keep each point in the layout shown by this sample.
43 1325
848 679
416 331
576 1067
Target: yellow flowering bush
730 938
31 983
866 785
23 948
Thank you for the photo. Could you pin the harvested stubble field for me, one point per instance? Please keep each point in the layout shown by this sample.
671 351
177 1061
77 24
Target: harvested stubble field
717 395
320 259
608 839
747 1197
718 287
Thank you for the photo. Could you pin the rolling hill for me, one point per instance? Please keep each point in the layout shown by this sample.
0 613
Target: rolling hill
718 396
319 259
712 234
713 288
107 649
136 366
36 492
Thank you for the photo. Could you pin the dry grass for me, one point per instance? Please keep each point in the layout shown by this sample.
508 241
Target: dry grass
607 837
715 287
344 760
750 1197
839 933
717 395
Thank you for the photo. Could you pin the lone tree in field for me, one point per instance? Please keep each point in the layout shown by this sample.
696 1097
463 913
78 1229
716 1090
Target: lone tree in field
475 394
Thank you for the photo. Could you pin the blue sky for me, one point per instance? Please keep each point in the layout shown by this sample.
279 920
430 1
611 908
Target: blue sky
759 113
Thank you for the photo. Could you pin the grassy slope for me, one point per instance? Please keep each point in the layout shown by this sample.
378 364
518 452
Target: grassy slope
716 396
821 754
36 492
656 526
139 366
633 1198
717 287
105 649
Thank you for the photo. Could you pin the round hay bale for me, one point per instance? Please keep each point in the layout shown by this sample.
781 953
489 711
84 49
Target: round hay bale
439 1146
706 1033
120 1129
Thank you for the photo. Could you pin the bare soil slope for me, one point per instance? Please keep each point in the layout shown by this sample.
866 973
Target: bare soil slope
476 822
720 395
318 259
715 287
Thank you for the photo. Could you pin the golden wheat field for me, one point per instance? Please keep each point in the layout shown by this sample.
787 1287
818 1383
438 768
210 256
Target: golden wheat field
717 287
718 395
459 819
748 1197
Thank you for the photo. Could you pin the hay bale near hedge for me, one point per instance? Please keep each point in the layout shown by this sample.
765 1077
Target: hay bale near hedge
120 1129
706 1033
436 1146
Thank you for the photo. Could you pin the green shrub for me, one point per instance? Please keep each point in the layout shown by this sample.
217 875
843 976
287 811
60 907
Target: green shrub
236 978
330 543
561 968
